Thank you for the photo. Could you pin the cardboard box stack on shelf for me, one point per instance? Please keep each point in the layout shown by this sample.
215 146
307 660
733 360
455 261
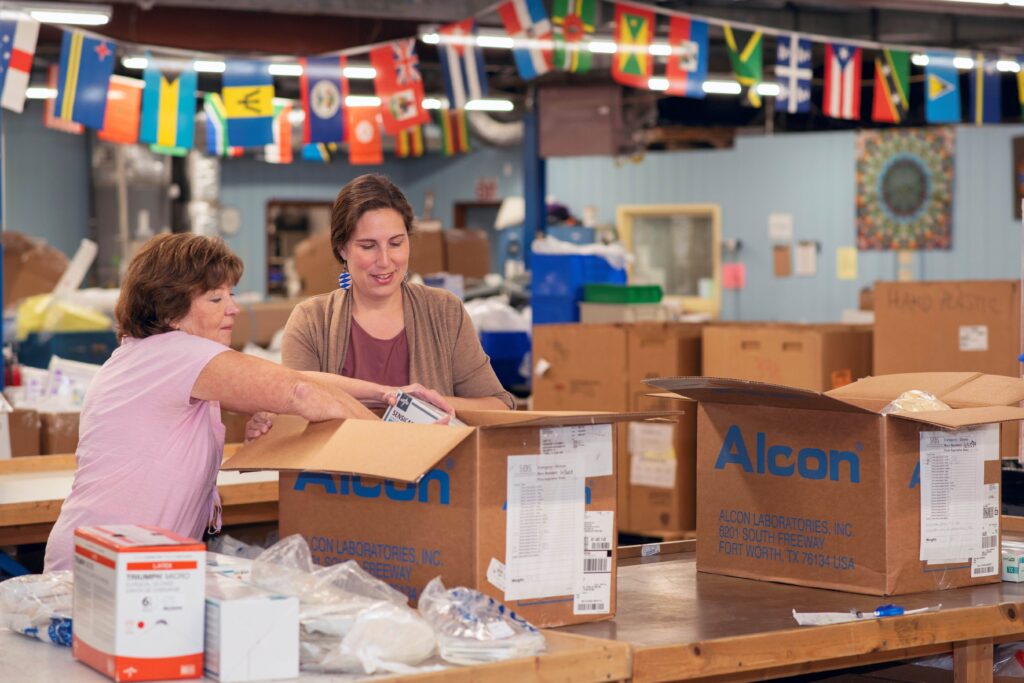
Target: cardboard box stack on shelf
467 252
820 489
965 325
602 367
816 357
258 323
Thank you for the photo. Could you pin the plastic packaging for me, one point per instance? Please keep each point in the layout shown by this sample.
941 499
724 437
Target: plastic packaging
350 621
473 628
615 254
494 314
915 401
38 606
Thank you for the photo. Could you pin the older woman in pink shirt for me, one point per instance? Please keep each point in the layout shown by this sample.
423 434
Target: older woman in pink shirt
151 439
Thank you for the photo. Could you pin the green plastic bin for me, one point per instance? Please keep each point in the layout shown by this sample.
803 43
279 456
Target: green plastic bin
622 294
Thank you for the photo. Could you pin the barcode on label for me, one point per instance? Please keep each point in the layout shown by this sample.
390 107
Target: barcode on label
597 545
596 564
989 511
591 607
988 542
983 570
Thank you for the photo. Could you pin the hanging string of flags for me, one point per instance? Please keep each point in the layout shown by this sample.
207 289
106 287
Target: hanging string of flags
159 109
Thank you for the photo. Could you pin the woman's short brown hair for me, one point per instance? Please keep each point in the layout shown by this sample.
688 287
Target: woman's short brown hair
365 193
166 275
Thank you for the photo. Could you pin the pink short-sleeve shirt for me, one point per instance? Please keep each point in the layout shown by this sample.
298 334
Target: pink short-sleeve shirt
148 453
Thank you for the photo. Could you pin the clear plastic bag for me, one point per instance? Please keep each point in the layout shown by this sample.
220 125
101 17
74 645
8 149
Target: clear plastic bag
915 401
349 620
39 606
473 628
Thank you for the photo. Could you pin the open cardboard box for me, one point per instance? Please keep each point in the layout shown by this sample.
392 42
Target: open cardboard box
410 502
820 489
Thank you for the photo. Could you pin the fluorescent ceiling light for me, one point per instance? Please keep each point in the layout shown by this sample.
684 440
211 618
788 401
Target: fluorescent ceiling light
134 62
721 87
963 63
208 67
363 72
430 38
434 103
1008 65
500 42
285 69
296 115
66 13
658 84
660 49
768 89
39 93
919 60
606 47
362 101
489 105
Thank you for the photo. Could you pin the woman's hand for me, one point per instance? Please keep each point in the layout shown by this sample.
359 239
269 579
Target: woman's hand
258 425
390 395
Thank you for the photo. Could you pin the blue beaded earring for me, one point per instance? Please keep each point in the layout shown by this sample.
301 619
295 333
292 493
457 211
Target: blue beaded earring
345 279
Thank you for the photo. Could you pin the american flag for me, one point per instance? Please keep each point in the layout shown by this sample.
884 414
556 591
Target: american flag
406 62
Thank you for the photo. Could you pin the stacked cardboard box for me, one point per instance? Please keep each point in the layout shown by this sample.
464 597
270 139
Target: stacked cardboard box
258 323
817 357
970 326
603 367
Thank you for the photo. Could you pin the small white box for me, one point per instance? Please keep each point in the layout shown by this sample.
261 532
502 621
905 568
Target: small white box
1013 563
138 602
407 408
251 634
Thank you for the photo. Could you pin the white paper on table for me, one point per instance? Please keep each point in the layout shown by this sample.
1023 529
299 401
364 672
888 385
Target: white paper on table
652 455
544 526
988 562
594 442
953 491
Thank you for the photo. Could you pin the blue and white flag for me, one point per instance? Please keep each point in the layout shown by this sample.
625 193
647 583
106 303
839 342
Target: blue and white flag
941 89
462 63
794 72
18 38
528 25
86 64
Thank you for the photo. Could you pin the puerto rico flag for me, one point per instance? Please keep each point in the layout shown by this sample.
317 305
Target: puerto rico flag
793 71
528 25
842 81
399 86
687 67
462 63
19 46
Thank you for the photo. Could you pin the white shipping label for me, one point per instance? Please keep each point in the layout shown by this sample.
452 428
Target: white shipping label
652 460
596 595
953 491
988 562
496 574
598 530
659 474
598 536
544 526
593 442
974 337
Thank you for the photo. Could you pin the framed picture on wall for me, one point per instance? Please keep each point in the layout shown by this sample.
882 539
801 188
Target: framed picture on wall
1018 176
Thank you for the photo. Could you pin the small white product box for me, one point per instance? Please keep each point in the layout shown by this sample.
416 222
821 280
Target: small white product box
407 408
251 634
1013 562
138 602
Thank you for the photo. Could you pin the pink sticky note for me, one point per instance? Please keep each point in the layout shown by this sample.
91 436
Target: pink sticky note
734 275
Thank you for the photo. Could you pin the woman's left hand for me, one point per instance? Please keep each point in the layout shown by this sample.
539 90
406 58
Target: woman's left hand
420 392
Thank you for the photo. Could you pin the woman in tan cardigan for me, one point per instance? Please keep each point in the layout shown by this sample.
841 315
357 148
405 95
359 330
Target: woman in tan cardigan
382 334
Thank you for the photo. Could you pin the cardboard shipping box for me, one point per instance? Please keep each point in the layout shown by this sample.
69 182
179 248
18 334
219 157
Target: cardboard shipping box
467 252
31 266
26 428
426 252
820 489
816 357
58 433
315 264
258 323
519 505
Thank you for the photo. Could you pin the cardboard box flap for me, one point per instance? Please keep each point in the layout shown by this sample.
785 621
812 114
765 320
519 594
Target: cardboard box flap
390 451
888 387
987 390
963 417
747 392
498 419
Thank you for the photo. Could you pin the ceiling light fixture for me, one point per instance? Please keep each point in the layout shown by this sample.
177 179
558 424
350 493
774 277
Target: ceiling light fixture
605 47
362 101
658 84
919 59
963 63
489 105
360 72
721 88
285 69
40 93
134 62
69 14
768 89
205 66
1008 66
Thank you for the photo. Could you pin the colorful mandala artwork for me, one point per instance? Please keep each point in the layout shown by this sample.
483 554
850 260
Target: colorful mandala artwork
905 188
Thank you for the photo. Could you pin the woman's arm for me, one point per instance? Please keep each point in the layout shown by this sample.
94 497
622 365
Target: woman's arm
247 384
482 403
476 385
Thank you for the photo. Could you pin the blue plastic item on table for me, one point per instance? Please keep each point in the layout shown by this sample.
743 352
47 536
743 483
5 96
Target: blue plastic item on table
506 351
87 347
558 281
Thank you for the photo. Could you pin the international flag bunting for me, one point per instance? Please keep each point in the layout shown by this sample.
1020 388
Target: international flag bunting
86 65
462 63
248 93
364 141
528 25
454 131
409 143
687 67
168 108
793 71
892 87
573 21
50 119
121 121
280 151
842 81
1020 84
399 85
747 63
986 101
323 88
941 89
217 127
634 30
18 39
324 152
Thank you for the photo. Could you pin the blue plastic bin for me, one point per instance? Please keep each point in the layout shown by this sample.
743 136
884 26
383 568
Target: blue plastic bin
577 234
88 347
558 281
506 351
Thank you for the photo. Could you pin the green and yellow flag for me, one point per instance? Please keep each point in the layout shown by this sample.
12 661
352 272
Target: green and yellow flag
747 64
574 21
892 87
409 142
634 29
454 131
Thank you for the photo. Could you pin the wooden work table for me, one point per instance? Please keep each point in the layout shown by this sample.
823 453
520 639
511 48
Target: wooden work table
684 625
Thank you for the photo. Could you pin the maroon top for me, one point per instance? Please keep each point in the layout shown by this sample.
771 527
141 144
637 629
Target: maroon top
384 361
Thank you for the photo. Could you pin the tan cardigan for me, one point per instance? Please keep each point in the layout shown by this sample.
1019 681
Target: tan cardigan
444 351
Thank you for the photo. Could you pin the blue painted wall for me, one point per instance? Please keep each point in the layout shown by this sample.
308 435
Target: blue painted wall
46 180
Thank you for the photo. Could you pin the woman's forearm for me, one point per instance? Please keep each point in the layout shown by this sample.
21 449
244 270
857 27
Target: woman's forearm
482 403
358 388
